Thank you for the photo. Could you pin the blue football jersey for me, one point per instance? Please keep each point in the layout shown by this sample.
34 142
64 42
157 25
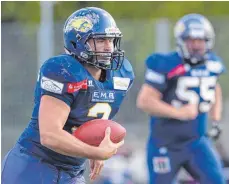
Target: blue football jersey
196 85
63 77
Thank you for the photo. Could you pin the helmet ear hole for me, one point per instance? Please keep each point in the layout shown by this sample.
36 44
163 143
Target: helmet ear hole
78 37
74 44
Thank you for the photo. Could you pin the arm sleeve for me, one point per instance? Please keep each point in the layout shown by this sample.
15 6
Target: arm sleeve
153 74
55 81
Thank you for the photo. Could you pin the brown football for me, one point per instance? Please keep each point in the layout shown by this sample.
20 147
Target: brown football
93 132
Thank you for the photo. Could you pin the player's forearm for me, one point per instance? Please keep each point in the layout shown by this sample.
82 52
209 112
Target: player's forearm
156 107
64 143
215 113
216 109
54 137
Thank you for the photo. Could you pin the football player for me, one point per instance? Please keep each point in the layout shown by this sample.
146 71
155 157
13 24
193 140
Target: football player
88 82
180 89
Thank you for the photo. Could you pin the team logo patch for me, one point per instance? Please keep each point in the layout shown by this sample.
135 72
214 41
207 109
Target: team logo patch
103 96
76 86
161 165
51 85
200 73
90 83
82 24
121 83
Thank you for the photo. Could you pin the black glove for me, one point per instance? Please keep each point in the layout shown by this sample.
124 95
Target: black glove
215 131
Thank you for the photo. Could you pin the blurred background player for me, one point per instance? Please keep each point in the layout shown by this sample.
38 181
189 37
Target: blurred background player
180 89
88 82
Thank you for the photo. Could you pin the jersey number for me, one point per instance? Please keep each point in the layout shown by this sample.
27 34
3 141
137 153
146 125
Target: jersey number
100 108
206 86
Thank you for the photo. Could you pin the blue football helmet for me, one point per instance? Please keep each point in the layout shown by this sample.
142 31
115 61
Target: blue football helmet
194 26
93 23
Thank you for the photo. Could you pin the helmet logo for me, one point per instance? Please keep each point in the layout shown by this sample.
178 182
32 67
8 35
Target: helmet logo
112 30
179 28
82 24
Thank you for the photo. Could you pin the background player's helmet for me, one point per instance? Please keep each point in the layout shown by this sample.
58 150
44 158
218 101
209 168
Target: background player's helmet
193 26
88 23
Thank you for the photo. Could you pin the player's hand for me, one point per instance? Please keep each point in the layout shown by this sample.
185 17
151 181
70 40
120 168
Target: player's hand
215 131
108 147
188 112
95 168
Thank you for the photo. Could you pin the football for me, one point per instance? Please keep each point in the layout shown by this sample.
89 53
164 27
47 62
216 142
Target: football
93 132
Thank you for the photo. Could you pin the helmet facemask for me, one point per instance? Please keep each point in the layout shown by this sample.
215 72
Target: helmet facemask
192 54
107 60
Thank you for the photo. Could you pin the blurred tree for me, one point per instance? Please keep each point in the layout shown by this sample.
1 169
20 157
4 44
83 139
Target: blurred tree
64 9
28 11
25 11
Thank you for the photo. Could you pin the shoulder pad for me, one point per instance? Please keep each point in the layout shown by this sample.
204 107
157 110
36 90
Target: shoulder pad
63 68
215 64
126 69
162 63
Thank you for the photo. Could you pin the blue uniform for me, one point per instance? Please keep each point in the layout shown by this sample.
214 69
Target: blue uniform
173 143
63 77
